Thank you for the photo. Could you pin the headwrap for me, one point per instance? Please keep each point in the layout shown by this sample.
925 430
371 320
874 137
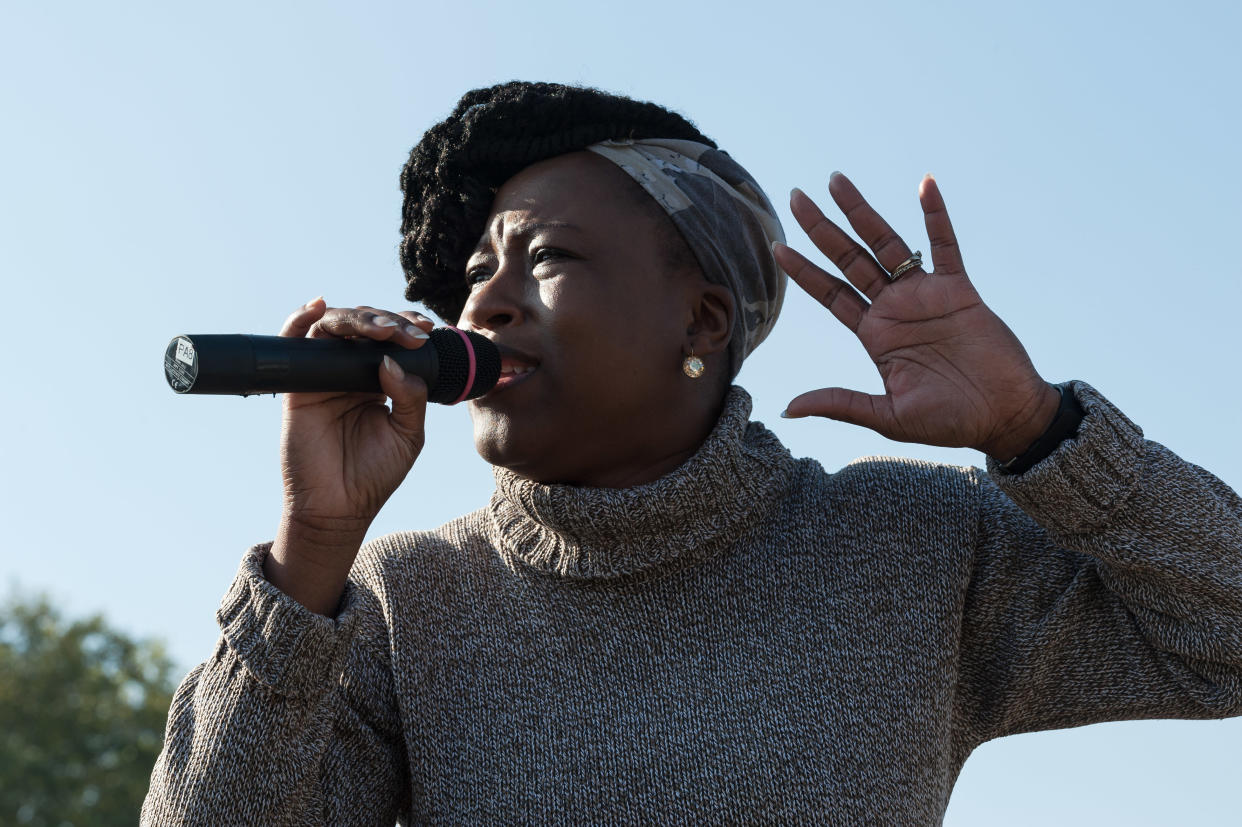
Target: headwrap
726 220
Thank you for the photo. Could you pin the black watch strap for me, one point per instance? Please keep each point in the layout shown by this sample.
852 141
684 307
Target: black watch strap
1064 425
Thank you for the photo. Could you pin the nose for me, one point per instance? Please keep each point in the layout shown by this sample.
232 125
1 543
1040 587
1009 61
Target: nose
495 303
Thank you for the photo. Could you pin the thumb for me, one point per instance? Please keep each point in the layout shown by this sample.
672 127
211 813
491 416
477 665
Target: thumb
856 408
409 402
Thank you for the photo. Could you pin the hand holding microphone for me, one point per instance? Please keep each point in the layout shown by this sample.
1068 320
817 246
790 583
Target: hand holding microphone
343 451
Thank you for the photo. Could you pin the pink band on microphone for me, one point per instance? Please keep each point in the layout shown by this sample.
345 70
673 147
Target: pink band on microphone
470 356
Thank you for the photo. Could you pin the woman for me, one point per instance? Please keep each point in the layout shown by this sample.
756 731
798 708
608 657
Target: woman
661 615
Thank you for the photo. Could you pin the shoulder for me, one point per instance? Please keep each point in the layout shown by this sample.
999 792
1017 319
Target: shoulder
451 545
404 579
394 565
888 498
894 480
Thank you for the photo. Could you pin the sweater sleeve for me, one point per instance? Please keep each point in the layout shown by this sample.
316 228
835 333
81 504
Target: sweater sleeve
1106 585
291 721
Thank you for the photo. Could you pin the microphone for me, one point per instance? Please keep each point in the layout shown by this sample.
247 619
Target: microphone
456 364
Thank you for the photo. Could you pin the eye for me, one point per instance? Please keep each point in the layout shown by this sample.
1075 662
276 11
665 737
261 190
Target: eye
477 275
544 254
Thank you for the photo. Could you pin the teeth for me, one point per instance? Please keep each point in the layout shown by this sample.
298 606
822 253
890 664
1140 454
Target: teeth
514 369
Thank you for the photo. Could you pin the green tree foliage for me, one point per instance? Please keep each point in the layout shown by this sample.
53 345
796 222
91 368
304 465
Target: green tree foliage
82 710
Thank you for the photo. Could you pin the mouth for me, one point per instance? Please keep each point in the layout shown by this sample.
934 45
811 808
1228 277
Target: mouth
515 367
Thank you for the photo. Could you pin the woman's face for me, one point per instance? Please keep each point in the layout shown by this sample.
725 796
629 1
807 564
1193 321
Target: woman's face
574 282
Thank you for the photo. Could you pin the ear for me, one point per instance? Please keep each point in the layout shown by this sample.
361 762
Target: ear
711 320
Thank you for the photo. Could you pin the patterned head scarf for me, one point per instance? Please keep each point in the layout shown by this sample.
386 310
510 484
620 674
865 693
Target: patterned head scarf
726 220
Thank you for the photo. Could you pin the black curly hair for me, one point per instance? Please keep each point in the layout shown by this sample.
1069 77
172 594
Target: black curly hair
453 172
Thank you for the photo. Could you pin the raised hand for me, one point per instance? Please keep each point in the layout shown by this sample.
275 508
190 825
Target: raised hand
954 374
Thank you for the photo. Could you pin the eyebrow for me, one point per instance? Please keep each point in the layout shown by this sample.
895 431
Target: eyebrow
546 225
527 229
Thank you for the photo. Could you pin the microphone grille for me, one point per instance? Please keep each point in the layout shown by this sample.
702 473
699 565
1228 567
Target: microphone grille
458 361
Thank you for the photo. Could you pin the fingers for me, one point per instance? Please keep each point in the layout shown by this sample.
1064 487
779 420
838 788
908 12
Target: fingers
867 410
409 403
418 319
875 232
855 262
408 330
300 320
827 289
946 255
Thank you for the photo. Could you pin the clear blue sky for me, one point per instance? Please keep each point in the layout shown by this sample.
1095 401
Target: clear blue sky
170 168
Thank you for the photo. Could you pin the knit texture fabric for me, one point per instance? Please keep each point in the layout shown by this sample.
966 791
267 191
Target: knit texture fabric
748 639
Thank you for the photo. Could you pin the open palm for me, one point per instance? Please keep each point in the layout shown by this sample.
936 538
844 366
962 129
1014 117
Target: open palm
954 374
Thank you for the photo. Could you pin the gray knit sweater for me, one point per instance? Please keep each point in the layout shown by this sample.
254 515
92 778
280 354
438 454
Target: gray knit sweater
748 639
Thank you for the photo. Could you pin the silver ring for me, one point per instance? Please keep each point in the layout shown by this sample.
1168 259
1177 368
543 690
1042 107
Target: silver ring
912 262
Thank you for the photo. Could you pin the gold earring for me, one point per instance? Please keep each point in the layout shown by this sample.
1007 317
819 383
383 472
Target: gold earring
692 366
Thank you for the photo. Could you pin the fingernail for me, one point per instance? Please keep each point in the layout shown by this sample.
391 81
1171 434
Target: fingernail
795 192
383 321
312 302
415 332
393 368
835 173
784 414
776 244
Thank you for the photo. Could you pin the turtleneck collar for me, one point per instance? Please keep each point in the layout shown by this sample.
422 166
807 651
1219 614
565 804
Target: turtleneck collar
688 515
